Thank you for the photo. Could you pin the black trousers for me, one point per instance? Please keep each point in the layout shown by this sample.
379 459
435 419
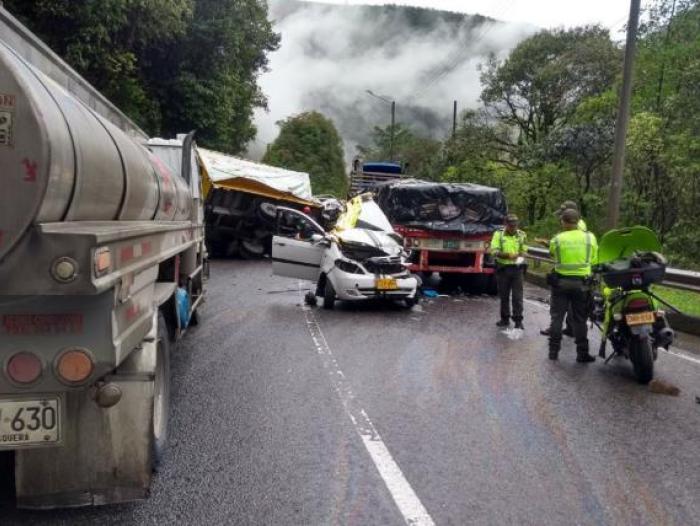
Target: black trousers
509 279
570 295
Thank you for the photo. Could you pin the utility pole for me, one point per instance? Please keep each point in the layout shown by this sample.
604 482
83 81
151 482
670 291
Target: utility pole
454 119
623 114
393 122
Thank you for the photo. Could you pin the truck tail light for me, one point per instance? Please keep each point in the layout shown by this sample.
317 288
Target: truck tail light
74 366
24 368
103 261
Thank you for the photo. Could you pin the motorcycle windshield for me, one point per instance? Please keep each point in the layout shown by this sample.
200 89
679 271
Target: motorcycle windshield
624 242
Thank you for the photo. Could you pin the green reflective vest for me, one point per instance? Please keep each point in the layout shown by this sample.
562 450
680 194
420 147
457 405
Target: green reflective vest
503 243
574 252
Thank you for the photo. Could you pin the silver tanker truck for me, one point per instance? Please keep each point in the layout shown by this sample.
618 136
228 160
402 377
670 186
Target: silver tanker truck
99 231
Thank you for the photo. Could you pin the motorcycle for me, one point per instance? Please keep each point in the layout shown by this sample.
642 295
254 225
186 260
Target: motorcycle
629 262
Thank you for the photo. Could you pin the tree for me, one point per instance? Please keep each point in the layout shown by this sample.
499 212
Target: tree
209 77
171 65
419 155
310 143
106 40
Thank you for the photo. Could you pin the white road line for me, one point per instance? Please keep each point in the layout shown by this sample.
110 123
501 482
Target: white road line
682 356
410 506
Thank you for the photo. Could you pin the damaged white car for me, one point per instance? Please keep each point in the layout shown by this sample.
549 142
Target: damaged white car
361 258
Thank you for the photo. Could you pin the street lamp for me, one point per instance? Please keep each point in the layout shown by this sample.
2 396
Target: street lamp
393 118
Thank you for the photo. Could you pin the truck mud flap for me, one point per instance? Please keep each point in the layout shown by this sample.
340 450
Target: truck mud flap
106 456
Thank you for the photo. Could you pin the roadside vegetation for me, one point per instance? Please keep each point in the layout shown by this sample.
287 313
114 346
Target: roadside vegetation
544 130
171 65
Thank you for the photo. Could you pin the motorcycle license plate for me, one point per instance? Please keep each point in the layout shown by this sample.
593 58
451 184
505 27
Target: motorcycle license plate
30 422
640 318
387 284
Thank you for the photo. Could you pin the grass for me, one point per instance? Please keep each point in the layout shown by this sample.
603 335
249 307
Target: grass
687 301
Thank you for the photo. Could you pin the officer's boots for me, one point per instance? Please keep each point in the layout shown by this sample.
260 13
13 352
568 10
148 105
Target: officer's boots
582 354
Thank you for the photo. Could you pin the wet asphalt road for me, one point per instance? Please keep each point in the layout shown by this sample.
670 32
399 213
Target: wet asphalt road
484 429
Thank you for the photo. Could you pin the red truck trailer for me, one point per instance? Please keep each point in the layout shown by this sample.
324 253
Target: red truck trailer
446 226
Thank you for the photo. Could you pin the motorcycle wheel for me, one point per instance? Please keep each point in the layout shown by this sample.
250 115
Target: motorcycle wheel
642 358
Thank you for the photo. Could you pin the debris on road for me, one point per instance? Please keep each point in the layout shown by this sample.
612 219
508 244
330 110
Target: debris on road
659 387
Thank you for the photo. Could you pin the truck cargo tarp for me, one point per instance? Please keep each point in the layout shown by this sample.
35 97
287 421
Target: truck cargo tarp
228 172
465 208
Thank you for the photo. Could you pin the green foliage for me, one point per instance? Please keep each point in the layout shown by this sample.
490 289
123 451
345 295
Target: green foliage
310 143
171 65
418 154
545 130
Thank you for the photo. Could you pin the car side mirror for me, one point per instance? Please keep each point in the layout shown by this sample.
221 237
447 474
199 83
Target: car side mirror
319 239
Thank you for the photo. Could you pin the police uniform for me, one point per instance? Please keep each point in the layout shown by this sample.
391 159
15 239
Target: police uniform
509 275
574 251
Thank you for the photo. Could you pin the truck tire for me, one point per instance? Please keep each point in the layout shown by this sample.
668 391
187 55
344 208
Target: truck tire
161 394
328 295
251 249
642 359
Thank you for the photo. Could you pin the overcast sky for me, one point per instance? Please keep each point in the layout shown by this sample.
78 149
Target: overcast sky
542 13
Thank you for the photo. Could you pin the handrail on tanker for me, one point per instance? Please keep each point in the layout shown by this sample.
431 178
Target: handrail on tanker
35 52
675 278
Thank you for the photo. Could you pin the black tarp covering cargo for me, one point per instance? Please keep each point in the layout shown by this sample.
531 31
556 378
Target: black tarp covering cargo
464 208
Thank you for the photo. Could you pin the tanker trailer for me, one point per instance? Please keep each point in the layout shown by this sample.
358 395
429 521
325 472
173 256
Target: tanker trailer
96 234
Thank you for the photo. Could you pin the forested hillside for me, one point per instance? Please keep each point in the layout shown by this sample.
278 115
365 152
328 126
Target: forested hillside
543 129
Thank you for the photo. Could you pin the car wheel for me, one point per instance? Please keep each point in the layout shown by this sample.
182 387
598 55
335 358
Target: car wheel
328 295
410 302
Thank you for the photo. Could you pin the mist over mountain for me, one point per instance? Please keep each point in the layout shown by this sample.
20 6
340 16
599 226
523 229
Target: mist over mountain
331 55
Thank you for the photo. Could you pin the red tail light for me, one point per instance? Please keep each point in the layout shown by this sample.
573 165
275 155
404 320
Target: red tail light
24 368
638 304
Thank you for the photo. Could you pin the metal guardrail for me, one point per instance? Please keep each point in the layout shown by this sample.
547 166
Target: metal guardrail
675 278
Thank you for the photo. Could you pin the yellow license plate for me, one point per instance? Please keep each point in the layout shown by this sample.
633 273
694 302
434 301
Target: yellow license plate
640 318
387 284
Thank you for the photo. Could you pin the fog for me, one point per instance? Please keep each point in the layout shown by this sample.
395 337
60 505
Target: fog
330 56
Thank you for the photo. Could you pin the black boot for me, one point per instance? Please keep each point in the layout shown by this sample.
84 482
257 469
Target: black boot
545 332
568 331
582 355
502 323
553 354
519 325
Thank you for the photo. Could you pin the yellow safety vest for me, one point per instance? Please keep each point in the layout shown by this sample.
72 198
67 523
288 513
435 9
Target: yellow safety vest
574 252
507 244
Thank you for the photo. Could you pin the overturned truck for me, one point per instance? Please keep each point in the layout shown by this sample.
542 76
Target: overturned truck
241 199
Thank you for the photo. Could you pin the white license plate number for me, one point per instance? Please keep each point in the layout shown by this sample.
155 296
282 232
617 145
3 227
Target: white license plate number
30 422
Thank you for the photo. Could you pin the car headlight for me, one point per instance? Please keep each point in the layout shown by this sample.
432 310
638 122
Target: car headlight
347 266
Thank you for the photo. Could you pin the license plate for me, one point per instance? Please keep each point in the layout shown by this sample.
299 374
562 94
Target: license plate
387 284
30 422
640 318
450 243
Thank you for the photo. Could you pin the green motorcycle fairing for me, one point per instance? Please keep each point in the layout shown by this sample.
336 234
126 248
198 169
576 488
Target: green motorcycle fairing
622 243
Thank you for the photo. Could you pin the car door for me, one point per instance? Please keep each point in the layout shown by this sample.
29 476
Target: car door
294 253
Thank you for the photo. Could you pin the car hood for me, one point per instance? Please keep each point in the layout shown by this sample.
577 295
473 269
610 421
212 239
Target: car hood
373 242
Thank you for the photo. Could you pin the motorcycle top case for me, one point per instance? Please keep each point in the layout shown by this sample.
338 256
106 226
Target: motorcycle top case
629 258
463 208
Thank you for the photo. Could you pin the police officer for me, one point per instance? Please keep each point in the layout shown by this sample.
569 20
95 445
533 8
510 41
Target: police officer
574 251
567 205
508 246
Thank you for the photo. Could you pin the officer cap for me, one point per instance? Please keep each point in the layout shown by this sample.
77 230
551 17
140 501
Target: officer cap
570 216
566 205
512 219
